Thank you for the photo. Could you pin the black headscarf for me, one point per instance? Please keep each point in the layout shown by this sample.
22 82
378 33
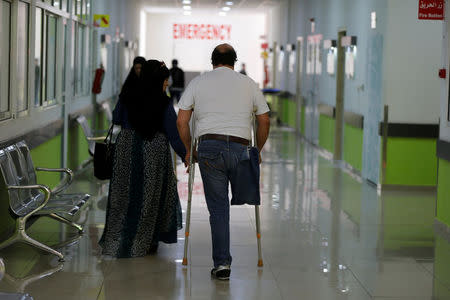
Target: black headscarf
146 110
131 84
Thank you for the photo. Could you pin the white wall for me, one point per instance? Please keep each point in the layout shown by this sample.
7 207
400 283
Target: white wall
195 55
411 63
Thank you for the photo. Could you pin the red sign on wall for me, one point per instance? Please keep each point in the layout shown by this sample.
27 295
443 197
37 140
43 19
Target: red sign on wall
431 9
202 32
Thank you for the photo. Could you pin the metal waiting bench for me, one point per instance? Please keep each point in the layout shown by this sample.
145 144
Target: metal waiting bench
27 198
91 139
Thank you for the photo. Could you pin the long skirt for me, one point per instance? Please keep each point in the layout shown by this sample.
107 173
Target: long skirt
143 204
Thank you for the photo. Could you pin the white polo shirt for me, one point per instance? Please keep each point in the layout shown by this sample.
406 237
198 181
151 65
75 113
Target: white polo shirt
224 102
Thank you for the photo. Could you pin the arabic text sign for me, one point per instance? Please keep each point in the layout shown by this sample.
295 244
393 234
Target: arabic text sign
202 32
431 9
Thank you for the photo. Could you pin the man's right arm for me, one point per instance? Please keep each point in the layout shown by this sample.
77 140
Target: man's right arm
184 116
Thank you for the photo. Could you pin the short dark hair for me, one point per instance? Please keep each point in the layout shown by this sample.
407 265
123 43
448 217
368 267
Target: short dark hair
175 62
223 55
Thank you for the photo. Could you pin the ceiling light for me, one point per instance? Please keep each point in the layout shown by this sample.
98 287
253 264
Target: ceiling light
187 13
226 8
186 1
229 3
222 14
186 7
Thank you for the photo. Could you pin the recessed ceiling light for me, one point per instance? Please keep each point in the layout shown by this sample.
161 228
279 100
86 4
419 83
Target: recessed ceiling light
226 8
222 14
229 3
187 7
187 13
186 1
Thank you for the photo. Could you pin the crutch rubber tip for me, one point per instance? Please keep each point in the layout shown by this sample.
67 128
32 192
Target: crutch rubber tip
260 263
184 263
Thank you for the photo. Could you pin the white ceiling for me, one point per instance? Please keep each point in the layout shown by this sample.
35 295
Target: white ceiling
239 5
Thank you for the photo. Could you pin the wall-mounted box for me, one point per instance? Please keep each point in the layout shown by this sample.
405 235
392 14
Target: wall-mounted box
348 41
328 44
290 47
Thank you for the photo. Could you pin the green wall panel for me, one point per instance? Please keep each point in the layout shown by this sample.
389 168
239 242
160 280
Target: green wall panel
48 155
411 161
408 219
441 269
353 146
289 112
78 147
326 133
443 197
285 110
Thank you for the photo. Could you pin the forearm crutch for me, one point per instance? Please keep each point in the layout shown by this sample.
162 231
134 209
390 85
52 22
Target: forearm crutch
190 189
257 216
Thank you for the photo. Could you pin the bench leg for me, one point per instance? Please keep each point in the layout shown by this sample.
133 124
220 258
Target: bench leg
41 246
68 222
21 236
14 239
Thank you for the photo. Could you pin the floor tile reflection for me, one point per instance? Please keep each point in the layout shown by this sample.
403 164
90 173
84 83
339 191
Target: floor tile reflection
326 234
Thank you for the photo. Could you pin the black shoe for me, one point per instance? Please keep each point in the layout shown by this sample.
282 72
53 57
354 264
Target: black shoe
221 272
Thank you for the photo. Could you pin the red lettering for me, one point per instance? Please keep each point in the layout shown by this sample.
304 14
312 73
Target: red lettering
229 31
201 31
175 31
216 32
189 32
182 31
222 32
195 31
209 32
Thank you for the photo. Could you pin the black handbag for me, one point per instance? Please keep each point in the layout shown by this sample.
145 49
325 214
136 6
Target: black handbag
104 157
245 185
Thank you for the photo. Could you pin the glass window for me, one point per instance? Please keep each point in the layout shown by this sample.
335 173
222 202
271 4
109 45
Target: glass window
47 1
64 5
86 60
5 37
79 4
88 8
51 32
66 41
84 11
38 58
80 58
22 56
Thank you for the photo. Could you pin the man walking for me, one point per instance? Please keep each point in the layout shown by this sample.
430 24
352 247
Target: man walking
224 102
177 86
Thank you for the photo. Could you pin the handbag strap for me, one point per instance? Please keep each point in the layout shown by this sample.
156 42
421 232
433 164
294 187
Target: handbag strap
109 135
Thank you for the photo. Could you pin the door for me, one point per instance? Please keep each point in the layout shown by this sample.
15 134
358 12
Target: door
298 86
372 140
313 71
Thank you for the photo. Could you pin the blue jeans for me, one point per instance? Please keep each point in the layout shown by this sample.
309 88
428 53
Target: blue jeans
218 161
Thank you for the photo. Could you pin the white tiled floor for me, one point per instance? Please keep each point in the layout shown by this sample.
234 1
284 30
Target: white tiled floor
325 235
